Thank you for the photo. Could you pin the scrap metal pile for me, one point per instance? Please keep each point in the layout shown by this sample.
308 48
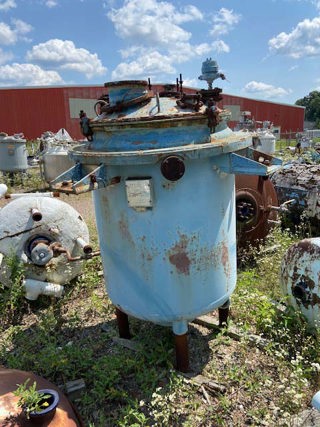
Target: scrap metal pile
300 182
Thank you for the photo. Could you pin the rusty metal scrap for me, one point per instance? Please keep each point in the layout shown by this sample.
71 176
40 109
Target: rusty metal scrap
302 183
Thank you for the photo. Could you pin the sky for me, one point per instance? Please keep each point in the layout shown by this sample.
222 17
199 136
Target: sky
267 49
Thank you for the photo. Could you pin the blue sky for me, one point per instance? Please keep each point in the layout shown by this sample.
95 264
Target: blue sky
268 49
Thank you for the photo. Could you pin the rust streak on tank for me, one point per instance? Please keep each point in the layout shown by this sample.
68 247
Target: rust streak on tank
178 256
225 259
124 229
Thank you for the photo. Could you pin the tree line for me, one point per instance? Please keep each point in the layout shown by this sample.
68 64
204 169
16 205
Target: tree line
312 104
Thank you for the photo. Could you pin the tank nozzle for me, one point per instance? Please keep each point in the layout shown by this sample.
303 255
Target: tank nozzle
36 214
87 249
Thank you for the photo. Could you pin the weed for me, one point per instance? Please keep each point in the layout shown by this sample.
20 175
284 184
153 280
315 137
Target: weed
133 416
12 300
62 340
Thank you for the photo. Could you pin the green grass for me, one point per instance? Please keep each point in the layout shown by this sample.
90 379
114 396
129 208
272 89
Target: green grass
63 340
73 337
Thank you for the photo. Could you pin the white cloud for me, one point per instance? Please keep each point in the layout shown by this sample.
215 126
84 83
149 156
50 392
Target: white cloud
63 54
51 3
5 56
220 46
191 82
150 22
10 35
131 51
304 40
7 4
27 75
224 21
182 52
7 34
189 13
157 41
21 29
147 65
265 90
145 62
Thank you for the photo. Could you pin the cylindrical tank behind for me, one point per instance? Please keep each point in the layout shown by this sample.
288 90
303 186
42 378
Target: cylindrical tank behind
55 161
267 142
300 272
13 153
256 208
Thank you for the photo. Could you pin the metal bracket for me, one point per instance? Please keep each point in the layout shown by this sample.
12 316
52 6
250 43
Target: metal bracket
249 162
74 180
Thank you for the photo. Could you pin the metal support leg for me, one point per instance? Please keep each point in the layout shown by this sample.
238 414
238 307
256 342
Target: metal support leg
182 352
224 313
123 324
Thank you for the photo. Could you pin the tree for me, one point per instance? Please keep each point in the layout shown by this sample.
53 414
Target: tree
312 104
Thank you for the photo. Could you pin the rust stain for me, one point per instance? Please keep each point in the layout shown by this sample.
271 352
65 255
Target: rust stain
181 261
179 257
225 259
169 185
124 229
187 252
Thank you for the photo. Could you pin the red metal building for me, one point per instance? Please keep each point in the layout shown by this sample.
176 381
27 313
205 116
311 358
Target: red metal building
288 119
33 111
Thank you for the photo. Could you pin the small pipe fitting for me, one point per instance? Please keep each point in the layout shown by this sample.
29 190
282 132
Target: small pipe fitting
36 214
86 247
34 288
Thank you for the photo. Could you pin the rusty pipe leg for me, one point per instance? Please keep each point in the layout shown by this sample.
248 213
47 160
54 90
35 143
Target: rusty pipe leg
123 324
223 312
182 352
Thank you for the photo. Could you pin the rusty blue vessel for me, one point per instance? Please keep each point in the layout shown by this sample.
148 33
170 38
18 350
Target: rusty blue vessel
162 166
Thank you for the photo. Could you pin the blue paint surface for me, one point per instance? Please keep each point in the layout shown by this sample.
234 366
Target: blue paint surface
176 259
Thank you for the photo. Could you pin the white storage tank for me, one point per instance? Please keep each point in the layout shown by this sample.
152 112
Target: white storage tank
54 159
48 236
267 142
13 153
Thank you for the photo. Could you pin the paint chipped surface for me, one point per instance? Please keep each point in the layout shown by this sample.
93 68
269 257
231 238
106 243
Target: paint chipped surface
225 258
300 273
124 228
189 253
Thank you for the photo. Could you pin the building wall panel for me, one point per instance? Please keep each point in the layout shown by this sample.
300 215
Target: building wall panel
289 117
33 111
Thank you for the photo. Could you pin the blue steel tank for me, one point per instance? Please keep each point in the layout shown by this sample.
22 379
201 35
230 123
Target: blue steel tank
162 166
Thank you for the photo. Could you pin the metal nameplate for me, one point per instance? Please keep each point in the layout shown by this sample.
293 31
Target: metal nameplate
139 193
